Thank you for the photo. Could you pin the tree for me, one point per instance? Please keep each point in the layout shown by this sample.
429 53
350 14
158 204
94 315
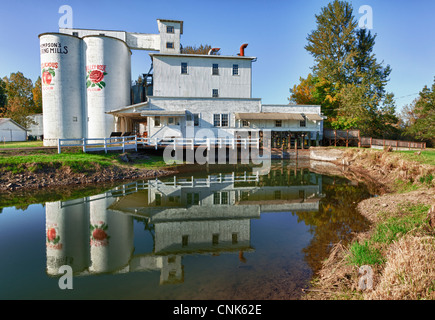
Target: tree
3 97
421 116
316 91
347 80
333 43
202 49
37 96
20 102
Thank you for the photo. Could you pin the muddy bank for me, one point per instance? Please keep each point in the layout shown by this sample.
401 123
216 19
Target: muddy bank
52 175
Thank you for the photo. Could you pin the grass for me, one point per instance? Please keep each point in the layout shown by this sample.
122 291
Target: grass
364 254
77 161
409 221
427 156
21 144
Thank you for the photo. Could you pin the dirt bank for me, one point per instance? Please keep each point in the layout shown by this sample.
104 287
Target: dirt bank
401 187
38 176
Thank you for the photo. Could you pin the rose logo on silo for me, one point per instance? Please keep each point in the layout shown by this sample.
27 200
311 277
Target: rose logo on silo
99 237
94 77
53 239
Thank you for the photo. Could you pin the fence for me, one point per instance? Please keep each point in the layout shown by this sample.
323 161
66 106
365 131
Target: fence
341 137
370 142
100 144
131 142
205 142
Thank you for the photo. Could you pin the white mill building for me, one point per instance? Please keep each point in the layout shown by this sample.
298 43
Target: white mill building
87 91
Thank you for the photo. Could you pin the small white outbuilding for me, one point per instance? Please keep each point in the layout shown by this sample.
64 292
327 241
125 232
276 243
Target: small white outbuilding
11 131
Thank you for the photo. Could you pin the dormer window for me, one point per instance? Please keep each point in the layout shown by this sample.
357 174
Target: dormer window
169 29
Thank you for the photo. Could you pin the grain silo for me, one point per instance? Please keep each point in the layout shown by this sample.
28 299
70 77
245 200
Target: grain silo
111 236
67 236
62 87
108 79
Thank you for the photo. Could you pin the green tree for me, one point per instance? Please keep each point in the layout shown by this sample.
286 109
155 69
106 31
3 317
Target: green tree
333 43
37 96
20 102
3 97
202 49
421 116
347 80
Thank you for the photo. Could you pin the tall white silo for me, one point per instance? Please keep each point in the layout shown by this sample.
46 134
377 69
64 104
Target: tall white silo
62 87
67 236
108 82
111 236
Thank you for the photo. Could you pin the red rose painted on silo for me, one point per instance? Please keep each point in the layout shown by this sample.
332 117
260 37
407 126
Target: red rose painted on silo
51 234
53 239
95 76
99 235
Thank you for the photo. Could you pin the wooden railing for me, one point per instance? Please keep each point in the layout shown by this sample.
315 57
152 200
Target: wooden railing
370 142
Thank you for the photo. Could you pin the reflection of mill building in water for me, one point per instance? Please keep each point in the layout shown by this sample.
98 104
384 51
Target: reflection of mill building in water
185 216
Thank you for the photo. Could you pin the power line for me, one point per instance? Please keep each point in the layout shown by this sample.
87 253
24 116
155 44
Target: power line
412 94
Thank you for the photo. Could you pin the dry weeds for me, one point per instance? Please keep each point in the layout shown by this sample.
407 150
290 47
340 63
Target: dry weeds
409 270
409 273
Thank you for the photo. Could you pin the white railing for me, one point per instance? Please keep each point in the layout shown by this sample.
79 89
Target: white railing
100 144
131 142
206 142
133 187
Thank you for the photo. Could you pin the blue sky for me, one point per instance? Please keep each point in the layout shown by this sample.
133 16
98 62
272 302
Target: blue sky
275 30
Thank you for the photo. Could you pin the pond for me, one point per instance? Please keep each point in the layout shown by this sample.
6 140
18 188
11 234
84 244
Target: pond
213 233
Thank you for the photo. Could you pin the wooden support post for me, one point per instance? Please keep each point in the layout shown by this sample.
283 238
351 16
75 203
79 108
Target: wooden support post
335 136
347 138
309 140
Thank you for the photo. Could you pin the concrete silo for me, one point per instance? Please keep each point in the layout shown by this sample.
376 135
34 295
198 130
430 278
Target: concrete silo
107 81
111 236
67 236
62 87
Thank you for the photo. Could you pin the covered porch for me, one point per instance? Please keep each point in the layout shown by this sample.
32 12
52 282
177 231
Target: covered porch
288 130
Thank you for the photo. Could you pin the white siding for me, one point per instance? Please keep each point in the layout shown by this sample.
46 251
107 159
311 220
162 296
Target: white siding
9 131
205 107
199 81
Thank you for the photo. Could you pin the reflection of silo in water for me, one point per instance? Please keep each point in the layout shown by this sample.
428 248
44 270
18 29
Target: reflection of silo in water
108 79
67 236
62 87
111 237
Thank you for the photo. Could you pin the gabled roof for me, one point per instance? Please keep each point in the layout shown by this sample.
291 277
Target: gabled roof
4 120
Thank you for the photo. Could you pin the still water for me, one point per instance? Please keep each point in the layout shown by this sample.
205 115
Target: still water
210 234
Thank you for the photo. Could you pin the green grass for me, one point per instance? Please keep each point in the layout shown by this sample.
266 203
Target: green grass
427 156
363 254
401 186
76 161
409 219
19 144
